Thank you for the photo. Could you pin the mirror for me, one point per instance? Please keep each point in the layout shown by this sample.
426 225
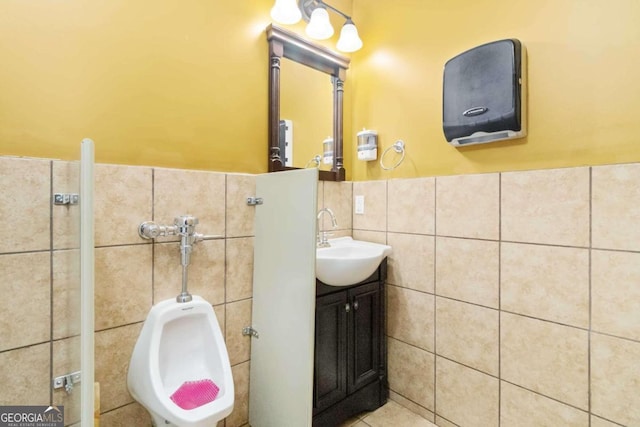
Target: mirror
285 44
306 106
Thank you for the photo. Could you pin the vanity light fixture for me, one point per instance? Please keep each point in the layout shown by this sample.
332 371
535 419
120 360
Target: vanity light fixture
349 40
319 27
286 12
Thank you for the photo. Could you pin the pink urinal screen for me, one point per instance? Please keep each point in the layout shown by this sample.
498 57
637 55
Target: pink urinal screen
193 394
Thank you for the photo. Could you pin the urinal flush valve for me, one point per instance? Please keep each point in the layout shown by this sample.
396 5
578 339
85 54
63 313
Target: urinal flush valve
185 227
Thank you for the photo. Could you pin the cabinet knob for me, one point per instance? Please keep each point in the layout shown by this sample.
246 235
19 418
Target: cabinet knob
347 307
355 305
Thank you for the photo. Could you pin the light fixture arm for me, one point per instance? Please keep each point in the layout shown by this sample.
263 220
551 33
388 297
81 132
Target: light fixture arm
319 26
307 6
328 6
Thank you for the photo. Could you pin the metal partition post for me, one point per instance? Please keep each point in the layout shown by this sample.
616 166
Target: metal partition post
87 283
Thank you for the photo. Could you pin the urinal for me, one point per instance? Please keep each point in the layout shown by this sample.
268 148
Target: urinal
179 370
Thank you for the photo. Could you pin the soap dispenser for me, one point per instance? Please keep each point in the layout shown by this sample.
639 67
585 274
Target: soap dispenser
367 145
327 151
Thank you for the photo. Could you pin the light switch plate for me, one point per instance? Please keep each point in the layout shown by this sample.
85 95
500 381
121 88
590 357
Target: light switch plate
359 205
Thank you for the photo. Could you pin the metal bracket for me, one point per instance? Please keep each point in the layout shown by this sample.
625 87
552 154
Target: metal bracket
252 201
67 381
249 331
65 199
306 7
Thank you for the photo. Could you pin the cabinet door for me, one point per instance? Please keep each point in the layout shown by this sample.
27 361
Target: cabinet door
364 339
330 385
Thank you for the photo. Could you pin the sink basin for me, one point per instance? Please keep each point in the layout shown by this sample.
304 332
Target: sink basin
348 261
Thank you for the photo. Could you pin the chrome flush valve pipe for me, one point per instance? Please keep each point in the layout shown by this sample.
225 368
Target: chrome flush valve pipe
185 227
151 230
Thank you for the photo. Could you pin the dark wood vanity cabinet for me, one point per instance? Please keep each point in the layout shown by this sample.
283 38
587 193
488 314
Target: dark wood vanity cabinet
350 370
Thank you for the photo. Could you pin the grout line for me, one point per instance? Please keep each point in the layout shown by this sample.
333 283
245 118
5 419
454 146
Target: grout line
435 304
29 252
119 245
411 345
33 344
499 299
153 242
386 204
504 241
448 420
615 250
412 401
468 366
232 301
555 245
224 259
482 239
545 320
140 322
606 419
547 397
615 336
442 296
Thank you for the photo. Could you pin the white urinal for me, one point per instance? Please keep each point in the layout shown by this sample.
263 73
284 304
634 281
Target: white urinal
179 369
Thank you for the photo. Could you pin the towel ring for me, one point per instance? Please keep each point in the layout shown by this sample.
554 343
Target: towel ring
316 159
398 147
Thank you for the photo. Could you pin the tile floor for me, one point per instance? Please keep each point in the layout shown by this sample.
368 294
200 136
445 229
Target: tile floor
391 414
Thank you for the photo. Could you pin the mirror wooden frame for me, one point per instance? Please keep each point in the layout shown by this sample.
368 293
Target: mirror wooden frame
285 44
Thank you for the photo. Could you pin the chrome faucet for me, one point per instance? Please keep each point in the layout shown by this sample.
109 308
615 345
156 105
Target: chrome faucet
322 234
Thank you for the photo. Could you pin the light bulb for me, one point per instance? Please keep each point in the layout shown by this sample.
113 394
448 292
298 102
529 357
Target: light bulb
319 27
349 39
286 12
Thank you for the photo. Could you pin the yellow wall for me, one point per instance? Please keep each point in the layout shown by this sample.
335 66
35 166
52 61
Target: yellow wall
185 84
165 83
176 84
584 92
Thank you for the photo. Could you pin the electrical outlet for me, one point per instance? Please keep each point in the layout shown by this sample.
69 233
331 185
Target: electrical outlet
359 202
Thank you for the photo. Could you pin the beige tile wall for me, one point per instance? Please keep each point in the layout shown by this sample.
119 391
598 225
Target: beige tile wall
38 268
513 298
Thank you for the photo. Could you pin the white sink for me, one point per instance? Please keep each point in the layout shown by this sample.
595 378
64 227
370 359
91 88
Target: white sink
347 261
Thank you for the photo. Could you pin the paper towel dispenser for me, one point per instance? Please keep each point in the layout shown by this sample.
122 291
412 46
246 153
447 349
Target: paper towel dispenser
484 94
